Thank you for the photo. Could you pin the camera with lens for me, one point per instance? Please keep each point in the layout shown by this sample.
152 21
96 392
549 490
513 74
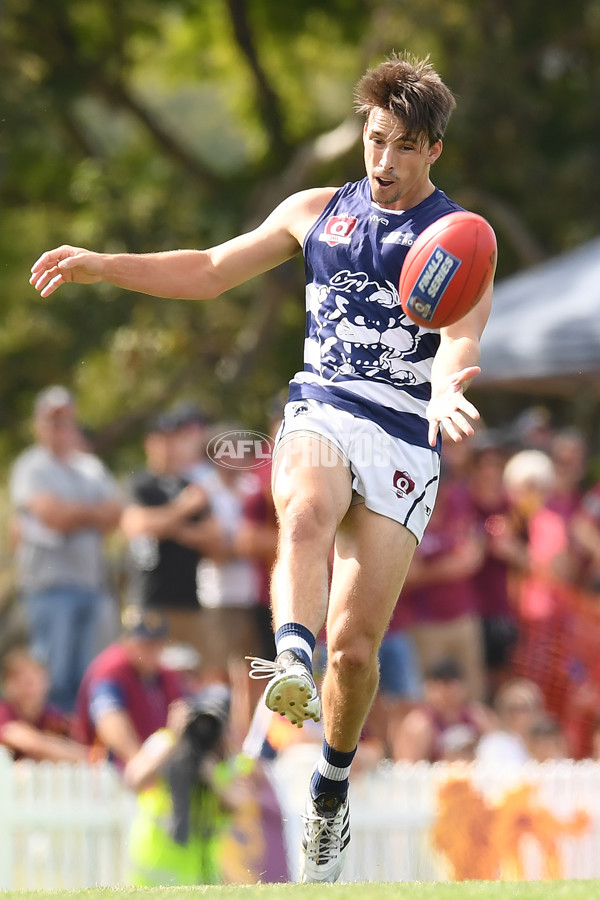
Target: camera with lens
206 725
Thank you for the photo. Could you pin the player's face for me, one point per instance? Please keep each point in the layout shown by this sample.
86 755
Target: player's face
397 169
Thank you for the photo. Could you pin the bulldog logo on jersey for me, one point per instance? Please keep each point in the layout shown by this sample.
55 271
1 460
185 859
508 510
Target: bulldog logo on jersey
338 229
403 483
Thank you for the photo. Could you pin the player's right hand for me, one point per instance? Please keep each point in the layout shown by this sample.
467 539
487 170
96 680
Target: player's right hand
56 267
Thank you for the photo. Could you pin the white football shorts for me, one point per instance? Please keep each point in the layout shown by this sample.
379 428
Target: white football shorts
391 477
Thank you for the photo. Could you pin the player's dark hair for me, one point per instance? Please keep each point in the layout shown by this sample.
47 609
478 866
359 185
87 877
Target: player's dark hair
411 89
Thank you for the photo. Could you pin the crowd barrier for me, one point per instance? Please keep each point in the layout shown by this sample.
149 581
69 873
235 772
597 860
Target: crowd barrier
66 826
559 652
444 821
62 826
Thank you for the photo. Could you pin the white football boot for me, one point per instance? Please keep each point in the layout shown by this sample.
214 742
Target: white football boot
292 691
325 838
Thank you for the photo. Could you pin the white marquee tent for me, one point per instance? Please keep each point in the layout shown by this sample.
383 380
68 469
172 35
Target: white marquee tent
544 330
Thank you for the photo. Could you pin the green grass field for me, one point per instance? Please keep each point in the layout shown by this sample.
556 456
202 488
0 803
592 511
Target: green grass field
471 890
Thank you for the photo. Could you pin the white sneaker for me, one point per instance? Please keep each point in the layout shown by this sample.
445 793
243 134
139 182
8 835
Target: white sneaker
325 838
292 691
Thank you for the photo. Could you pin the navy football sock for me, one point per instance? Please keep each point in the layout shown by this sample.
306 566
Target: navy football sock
293 636
332 772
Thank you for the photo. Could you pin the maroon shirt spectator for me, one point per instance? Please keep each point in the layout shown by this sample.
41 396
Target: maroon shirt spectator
505 551
446 559
441 591
126 692
584 533
569 453
29 726
51 721
257 539
434 729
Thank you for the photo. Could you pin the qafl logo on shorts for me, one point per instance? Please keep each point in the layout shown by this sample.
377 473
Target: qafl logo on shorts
338 229
403 483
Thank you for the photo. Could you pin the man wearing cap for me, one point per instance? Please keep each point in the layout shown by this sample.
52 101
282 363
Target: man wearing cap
169 526
127 691
65 502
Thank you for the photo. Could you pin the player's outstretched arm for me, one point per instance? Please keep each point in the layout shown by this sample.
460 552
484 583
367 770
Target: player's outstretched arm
188 274
454 367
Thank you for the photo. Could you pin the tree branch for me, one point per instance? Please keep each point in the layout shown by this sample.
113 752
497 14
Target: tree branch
268 100
325 148
116 93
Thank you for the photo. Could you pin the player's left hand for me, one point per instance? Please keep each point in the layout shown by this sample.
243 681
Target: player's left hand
449 407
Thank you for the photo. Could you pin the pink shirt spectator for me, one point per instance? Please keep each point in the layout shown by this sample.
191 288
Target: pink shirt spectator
547 541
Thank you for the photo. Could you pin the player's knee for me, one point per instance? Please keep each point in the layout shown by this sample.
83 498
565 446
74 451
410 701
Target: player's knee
306 520
353 657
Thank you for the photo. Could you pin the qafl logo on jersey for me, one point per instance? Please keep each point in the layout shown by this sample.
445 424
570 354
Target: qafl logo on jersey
338 229
403 484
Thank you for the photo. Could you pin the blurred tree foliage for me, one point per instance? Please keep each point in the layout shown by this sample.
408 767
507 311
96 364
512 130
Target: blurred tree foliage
157 124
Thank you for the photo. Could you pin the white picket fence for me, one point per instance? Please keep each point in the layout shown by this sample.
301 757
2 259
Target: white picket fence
66 826
62 826
394 807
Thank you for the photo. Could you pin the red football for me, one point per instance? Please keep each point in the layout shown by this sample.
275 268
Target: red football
447 269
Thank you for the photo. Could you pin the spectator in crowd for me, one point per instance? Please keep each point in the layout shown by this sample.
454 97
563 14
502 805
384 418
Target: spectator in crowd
459 744
532 429
546 741
229 589
426 731
584 530
30 727
519 704
400 680
243 506
259 533
257 542
66 503
569 455
529 479
127 692
170 526
440 589
188 787
206 812
194 430
505 552
548 647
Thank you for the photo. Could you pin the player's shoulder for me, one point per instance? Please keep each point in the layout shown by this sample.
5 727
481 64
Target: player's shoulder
437 205
298 212
309 201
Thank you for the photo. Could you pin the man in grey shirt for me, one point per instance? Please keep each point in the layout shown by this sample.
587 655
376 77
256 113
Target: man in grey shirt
66 502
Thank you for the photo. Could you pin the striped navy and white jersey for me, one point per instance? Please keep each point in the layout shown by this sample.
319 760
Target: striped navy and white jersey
361 353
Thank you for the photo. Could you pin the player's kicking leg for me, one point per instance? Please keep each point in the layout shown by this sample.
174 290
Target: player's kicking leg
312 491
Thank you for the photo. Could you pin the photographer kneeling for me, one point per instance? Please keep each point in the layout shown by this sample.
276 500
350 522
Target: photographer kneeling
187 789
